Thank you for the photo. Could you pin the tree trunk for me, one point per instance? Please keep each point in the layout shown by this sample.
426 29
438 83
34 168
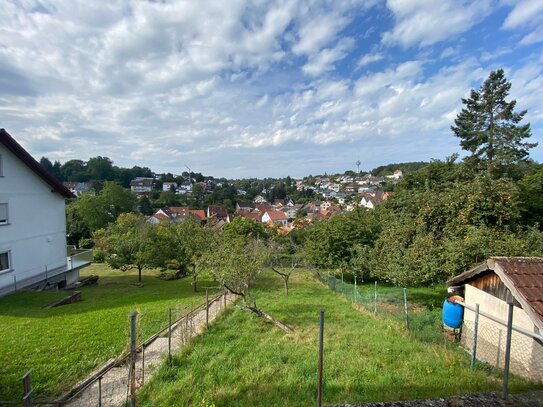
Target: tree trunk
286 286
194 280
139 274
267 316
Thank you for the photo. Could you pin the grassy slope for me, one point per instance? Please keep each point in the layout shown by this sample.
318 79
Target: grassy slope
65 343
244 361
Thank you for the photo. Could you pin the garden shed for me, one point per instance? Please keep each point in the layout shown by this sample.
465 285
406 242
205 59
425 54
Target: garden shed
492 285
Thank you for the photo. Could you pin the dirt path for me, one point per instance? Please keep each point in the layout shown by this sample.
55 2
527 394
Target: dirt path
115 383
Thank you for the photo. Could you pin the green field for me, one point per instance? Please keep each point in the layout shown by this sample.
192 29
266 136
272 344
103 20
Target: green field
245 361
65 343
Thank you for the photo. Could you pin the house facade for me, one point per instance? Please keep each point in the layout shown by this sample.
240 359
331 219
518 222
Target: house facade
141 185
32 223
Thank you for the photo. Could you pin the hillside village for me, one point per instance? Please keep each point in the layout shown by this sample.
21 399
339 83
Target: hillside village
333 195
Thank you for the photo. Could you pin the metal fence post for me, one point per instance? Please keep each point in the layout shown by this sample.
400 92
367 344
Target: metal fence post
170 335
100 391
321 354
507 351
405 308
133 317
475 333
207 308
354 293
375 299
143 364
27 389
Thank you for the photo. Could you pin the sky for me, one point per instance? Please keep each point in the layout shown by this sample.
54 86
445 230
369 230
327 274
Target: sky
263 88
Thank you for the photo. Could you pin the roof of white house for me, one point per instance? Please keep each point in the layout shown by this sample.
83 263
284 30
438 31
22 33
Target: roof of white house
17 150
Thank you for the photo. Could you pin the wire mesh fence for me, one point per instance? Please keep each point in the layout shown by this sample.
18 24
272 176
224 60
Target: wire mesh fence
486 337
393 303
116 382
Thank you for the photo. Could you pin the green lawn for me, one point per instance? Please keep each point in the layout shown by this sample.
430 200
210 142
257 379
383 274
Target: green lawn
65 343
245 361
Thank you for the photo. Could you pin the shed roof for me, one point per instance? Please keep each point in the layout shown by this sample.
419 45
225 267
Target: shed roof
10 143
523 276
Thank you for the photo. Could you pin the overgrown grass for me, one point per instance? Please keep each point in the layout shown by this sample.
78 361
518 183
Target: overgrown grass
245 361
65 343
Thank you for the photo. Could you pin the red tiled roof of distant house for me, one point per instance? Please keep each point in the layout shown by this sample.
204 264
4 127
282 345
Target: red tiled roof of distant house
161 216
200 213
277 215
263 207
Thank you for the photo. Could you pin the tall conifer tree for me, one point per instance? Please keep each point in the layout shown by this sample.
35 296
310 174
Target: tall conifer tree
489 127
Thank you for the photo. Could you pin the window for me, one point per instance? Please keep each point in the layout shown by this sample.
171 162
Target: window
3 213
4 261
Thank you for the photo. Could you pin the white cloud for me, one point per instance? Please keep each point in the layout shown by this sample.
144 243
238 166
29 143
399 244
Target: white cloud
324 60
370 59
526 14
426 22
235 88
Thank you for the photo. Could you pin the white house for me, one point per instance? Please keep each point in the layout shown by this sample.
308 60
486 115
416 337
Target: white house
32 223
276 217
142 185
167 186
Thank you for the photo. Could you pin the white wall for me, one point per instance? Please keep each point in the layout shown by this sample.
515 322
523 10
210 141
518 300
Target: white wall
36 230
526 353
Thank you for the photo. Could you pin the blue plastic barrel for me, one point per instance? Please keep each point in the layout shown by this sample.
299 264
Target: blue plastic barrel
453 314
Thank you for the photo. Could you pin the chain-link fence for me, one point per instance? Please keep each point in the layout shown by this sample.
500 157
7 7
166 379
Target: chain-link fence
422 320
498 343
117 382
486 338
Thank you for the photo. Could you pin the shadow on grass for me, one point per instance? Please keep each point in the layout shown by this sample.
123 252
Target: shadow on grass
109 293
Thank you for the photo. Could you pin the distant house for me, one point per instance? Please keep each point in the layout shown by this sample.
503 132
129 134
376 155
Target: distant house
398 174
325 205
33 251
254 215
370 199
291 212
351 187
279 203
185 188
263 207
217 212
168 186
493 284
177 214
313 207
278 217
77 188
142 186
244 206
259 199
199 213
